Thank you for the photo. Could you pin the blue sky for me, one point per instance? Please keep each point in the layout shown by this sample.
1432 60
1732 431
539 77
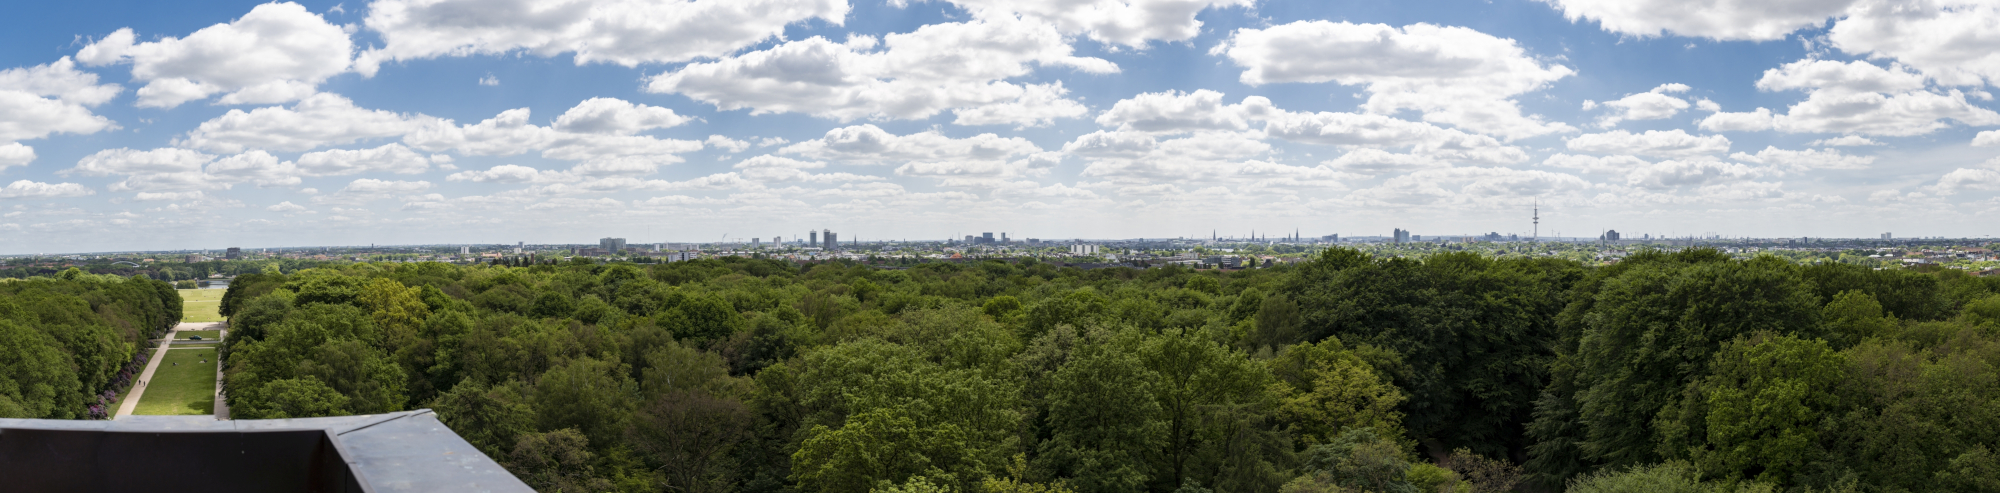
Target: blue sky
142 125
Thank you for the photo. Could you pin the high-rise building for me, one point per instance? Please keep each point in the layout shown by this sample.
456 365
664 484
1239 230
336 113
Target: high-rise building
1003 237
1887 236
518 245
611 245
465 250
812 238
233 253
832 240
1401 236
756 242
986 238
1610 235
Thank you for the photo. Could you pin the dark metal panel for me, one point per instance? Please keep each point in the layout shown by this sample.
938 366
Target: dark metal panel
418 453
403 451
94 461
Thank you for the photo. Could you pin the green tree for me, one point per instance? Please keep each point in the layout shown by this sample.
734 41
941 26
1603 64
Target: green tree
586 395
1648 332
1103 421
1324 388
559 460
491 418
293 398
1757 414
37 380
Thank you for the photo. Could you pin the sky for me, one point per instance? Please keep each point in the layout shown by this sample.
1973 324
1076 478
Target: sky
135 125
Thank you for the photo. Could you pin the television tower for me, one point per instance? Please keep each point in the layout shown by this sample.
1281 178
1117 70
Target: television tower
1538 221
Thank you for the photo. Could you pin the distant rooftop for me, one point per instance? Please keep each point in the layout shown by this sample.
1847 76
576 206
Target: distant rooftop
403 451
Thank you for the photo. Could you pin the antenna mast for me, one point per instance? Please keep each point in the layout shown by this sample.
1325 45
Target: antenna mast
1538 220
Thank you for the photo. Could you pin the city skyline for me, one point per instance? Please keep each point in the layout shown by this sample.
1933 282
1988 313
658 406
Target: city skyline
135 126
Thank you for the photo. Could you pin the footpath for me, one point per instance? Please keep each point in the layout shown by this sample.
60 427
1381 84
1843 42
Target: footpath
138 389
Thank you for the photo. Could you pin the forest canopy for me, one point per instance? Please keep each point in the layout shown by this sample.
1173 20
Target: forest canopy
1688 370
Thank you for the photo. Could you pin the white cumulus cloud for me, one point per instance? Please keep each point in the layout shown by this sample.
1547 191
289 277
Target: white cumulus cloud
1855 98
1126 22
1845 141
1650 143
868 144
616 116
1802 160
510 133
24 115
129 162
1714 19
318 120
959 67
1454 75
1177 112
258 167
392 158
624 32
1961 180
276 53
505 173
60 80
1376 162
1949 40
15 154
1649 105
1686 173
24 189
1386 132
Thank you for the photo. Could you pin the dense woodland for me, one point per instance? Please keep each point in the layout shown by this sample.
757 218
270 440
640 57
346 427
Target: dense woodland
69 344
1457 372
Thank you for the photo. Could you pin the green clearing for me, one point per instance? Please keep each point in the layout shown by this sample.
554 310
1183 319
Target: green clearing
182 385
206 335
201 305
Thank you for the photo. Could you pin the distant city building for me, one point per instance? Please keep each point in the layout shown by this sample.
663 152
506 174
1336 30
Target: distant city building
1610 235
1333 238
1886 236
1401 236
233 253
613 245
679 256
1003 237
465 250
1083 249
832 240
518 245
984 238
812 238
756 242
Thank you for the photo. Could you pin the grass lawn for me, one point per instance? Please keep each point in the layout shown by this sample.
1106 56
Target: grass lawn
206 335
201 305
184 388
